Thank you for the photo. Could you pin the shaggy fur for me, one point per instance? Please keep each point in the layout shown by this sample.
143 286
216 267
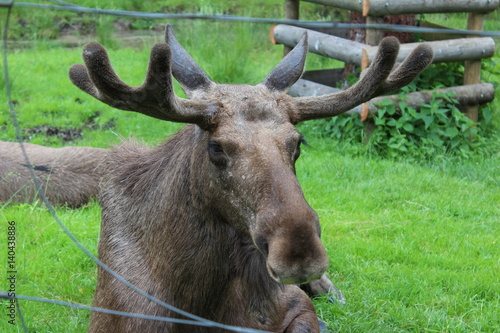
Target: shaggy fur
200 263
69 176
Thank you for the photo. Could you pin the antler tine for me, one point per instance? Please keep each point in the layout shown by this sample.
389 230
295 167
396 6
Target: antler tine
376 80
155 97
414 63
290 68
184 68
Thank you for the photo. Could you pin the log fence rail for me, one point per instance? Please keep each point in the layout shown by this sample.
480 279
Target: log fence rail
470 50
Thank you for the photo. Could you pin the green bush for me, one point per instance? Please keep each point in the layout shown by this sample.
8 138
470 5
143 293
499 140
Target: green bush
436 129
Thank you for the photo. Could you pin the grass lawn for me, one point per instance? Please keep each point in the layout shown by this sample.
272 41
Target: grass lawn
414 245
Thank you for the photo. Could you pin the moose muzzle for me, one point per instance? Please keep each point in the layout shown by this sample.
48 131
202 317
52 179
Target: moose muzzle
293 249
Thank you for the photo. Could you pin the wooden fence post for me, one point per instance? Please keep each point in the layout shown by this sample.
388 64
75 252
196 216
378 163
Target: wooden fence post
373 38
472 72
291 13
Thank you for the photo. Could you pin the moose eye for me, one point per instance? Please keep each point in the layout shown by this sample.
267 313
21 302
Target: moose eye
215 147
216 154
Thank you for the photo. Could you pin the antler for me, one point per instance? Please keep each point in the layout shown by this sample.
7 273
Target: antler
378 79
155 97
290 68
184 68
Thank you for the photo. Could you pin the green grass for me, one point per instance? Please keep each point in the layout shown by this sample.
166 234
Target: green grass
414 246
49 265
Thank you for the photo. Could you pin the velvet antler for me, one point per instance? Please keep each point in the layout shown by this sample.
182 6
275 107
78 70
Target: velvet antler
380 78
155 97
184 68
290 68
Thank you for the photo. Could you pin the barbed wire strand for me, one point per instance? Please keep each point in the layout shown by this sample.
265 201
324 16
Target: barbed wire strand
63 5
198 320
113 312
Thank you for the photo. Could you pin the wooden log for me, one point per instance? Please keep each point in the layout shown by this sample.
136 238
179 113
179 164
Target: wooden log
333 31
329 46
309 88
374 36
393 7
292 8
461 49
476 94
328 77
354 5
472 68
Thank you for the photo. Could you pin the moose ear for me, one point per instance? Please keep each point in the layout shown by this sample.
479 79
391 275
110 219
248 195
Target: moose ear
290 69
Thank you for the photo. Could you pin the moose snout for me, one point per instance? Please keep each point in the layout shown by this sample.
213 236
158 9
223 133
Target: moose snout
295 257
287 232
292 264
286 278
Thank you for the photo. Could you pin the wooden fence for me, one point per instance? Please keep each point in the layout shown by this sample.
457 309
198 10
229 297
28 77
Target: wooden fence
468 50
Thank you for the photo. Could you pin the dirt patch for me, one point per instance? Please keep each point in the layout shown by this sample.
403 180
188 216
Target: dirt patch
70 134
66 135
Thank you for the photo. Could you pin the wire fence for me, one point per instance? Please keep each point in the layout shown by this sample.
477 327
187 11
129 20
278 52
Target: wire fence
66 6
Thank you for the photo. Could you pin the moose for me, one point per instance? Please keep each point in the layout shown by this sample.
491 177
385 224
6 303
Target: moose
214 220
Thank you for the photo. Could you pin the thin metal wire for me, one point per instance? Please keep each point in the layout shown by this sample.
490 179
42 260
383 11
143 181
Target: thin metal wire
222 17
114 312
21 317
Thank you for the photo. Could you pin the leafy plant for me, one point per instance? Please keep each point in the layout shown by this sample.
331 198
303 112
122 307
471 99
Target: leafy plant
437 128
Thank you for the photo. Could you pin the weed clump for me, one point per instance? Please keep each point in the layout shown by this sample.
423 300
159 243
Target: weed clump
438 128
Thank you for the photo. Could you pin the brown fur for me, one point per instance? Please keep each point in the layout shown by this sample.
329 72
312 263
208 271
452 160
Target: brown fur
69 176
173 202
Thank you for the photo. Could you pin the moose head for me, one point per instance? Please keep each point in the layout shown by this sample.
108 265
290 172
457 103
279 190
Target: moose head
244 142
